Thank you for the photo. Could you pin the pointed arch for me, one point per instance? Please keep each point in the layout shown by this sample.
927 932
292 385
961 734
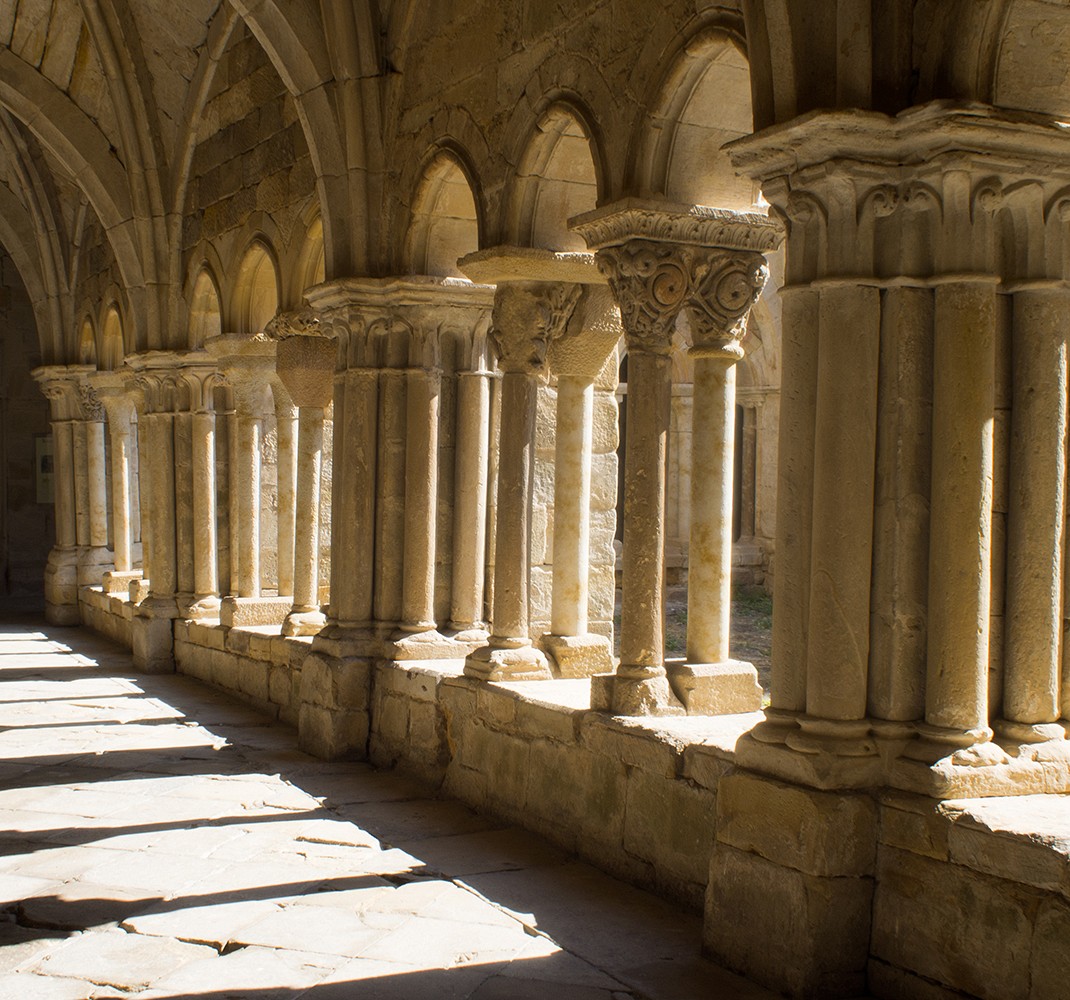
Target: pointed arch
112 339
255 299
205 309
559 175
445 219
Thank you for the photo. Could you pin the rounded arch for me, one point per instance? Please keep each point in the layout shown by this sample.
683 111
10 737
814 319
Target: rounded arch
112 342
702 101
444 223
87 342
205 309
561 174
255 299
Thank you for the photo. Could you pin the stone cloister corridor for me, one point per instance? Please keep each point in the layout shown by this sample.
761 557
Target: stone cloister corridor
162 841
431 382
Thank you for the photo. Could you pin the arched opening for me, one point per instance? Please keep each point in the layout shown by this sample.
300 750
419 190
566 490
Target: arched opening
705 102
256 294
87 343
204 312
112 351
445 222
558 179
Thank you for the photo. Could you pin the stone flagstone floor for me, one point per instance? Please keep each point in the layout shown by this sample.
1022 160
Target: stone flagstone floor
160 840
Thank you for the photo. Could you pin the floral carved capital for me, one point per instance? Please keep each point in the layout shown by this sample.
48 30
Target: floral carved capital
724 287
650 282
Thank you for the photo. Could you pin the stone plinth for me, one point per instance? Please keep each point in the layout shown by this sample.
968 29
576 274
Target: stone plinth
235 612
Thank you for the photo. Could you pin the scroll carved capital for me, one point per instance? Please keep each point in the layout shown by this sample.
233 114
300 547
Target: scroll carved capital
92 408
527 317
650 282
724 287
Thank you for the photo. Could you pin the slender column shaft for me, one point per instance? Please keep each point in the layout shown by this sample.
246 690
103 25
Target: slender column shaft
516 464
709 559
901 509
572 504
960 549
795 483
206 582
342 550
234 501
248 490
121 441
309 468
286 469
1036 510
161 507
97 482
63 479
493 462
352 576
470 499
842 534
81 481
390 506
144 472
185 527
134 468
423 393
643 587
748 486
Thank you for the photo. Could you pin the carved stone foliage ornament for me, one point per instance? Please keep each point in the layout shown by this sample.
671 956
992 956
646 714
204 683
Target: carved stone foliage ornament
724 288
650 282
527 317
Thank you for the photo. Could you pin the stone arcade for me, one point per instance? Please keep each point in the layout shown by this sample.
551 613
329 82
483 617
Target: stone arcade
353 319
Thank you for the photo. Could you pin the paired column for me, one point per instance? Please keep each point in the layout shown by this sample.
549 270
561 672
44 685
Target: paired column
203 441
91 489
576 358
305 365
712 266
528 315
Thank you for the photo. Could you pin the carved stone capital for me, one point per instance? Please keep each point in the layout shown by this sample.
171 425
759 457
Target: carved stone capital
588 339
650 283
528 315
296 323
724 287
305 365
62 386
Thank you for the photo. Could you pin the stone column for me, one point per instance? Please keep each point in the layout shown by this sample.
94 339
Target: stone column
1036 524
286 418
152 632
248 365
59 385
305 365
535 298
114 393
94 559
576 358
205 549
660 260
467 616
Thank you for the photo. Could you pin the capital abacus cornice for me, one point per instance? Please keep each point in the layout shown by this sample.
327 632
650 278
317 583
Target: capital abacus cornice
683 225
392 292
974 134
500 264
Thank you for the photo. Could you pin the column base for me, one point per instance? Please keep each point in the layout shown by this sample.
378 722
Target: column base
239 612
333 717
304 621
579 655
508 663
838 737
1022 732
474 634
139 590
117 582
93 562
203 608
728 688
61 587
429 645
634 696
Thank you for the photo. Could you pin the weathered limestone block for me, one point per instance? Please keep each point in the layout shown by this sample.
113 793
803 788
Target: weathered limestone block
579 655
333 717
815 938
967 930
819 833
236 612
